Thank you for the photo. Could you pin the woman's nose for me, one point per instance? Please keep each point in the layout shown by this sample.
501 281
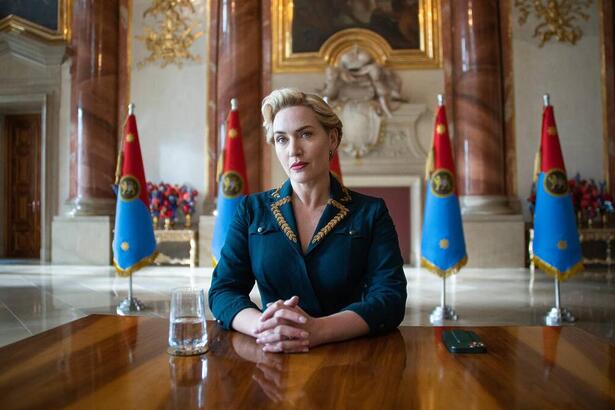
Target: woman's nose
294 147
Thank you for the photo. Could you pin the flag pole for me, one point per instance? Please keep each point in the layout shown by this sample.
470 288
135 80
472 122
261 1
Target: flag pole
442 312
130 304
557 315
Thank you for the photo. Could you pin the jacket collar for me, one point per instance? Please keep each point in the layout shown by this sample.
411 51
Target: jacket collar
334 212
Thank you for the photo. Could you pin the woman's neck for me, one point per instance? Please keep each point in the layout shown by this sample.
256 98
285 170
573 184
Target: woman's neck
312 194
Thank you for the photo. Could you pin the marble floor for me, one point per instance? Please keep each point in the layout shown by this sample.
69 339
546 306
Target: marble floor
35 298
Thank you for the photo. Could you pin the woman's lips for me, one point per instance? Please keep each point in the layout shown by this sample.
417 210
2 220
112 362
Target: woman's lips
297 166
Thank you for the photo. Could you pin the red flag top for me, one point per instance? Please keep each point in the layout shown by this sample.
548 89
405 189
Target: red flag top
443 154
550 149
234 159
335 167
132 163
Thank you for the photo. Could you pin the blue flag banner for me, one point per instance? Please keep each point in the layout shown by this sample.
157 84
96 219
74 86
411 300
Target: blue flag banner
557 248
443 248
134 244
232 186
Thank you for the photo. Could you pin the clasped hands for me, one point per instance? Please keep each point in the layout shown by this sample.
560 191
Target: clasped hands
285 327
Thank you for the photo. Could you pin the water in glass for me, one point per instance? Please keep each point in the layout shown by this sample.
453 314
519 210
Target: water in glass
187 328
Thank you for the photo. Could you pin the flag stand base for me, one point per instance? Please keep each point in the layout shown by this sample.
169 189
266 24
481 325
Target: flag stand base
441 313
444 311
556 317
129 305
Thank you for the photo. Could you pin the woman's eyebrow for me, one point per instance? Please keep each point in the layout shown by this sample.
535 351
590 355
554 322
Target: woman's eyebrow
298 130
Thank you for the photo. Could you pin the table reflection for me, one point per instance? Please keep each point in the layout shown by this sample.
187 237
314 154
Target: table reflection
371 371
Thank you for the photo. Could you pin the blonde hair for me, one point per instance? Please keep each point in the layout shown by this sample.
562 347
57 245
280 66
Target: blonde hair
292 97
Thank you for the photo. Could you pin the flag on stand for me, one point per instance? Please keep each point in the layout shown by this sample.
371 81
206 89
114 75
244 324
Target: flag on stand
134 244
233 184
557 248
335 167
443 248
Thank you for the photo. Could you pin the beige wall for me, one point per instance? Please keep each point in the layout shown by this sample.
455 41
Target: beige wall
571 75
170 109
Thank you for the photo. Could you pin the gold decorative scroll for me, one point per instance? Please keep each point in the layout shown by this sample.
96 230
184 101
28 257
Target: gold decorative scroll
557 18
20 25
427 55
175 32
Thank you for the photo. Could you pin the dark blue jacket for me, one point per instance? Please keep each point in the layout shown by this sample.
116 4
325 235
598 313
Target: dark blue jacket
353 261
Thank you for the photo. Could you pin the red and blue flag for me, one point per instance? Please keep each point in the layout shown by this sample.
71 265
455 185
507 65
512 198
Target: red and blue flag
443 248
557 248
134 244
232 185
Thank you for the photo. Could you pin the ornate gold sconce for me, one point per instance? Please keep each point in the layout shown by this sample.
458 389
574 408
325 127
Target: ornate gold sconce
558 18
175 32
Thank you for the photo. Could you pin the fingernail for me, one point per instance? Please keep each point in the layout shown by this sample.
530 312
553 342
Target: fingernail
304 334
306 342
302 319
258 340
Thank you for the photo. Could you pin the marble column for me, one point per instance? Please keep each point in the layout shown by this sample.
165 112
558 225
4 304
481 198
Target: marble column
94 98
238 75
478 106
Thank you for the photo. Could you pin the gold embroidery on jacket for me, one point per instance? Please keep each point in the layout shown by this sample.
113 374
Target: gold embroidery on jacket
343 211
346 196
275 208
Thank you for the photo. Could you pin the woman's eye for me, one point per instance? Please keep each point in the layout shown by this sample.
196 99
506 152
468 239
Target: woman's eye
280 139
306 135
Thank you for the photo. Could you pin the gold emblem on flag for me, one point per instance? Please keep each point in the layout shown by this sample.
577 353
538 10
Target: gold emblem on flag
443 244
441 129
125 246
129 188
556 183
552 131
232 133
232 184
562 245
130 138
442 183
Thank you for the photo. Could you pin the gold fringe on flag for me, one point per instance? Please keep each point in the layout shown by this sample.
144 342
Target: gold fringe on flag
444 273
556 273
148 260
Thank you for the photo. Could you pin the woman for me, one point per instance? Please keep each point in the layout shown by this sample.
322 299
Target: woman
326 260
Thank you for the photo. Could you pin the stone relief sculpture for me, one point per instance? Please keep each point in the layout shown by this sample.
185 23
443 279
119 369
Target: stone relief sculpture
364 94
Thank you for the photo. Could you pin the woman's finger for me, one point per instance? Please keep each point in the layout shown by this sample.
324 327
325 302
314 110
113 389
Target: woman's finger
280 317
280 333
288 346
271 309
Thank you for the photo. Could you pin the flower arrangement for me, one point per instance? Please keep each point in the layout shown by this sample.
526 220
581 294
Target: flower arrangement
167 199
589 198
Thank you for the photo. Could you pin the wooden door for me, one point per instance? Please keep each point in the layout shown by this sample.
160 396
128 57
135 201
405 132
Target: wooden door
23 210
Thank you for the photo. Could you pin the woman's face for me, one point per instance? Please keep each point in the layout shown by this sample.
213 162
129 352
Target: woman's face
302 144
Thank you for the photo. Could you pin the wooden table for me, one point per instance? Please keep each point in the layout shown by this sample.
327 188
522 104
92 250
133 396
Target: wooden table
117 362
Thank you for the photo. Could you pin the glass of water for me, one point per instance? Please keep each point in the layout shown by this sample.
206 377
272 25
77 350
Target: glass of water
187 327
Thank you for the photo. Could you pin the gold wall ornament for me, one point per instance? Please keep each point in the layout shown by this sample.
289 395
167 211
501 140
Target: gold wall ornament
21 25
175 32
286 58
558 18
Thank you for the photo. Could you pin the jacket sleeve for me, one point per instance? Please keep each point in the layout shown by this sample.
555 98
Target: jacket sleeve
383 303
233 279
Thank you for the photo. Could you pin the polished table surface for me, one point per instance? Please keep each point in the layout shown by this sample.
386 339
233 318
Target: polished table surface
121 362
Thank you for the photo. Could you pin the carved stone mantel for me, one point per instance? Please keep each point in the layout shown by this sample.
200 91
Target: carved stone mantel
398 150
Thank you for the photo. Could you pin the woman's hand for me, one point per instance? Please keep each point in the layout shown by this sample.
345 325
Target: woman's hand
285 327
